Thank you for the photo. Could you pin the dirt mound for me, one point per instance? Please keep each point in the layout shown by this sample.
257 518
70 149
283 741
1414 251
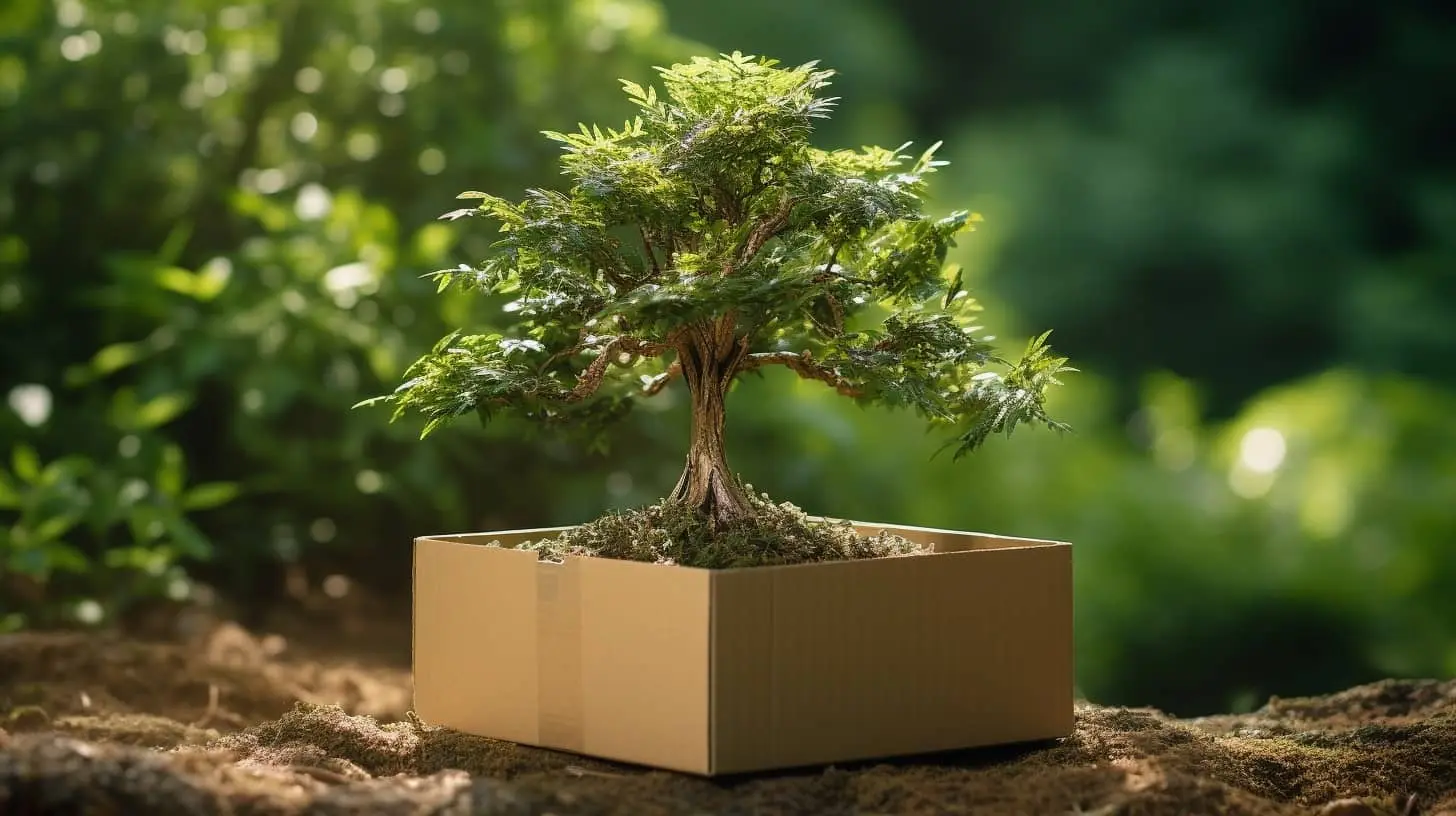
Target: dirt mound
319 759
1390 701
147 743
160 693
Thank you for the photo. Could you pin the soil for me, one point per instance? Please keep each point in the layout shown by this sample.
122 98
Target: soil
671 532
310 715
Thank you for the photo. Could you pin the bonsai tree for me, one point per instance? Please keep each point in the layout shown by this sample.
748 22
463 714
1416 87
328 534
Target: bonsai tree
708 239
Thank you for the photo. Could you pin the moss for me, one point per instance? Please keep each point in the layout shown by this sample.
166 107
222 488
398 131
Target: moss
672 533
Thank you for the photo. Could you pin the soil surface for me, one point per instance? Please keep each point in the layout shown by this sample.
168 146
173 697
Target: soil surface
313 717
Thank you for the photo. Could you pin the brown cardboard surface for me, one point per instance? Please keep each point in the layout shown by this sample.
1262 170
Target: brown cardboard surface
474 660
559 679
645 663
745 707
863 659
751 669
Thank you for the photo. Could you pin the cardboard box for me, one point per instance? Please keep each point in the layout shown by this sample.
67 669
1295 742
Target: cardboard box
725 671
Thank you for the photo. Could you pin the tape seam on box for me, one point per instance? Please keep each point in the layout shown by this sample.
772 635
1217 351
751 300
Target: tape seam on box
558 656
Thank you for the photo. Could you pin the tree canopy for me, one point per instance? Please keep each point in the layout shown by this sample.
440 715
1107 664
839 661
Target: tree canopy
707 238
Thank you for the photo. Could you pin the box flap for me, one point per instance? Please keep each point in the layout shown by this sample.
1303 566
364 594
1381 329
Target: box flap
944 541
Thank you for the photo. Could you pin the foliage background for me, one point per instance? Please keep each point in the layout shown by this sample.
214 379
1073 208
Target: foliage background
1239 220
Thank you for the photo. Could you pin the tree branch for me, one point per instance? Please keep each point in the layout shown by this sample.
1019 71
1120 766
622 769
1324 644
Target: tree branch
802 364
833 255
835 328
655 385
580 344
647 247
642 348
590 380
759 184
763 232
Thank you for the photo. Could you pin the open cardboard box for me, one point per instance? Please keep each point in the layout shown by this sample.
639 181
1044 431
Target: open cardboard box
725 671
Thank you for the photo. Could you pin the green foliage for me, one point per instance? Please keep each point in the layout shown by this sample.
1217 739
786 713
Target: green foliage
204 205
711 225
1140 216
1000 403
140 507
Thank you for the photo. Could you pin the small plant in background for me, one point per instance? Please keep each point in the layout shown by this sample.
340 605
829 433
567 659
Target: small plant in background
132 513
708 239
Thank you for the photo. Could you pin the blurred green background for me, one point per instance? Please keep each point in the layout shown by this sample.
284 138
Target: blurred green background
1239 219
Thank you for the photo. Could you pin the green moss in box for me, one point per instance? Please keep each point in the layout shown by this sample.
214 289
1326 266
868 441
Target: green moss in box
705 240
673 532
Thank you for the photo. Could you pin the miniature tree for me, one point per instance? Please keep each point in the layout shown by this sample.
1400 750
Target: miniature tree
708 239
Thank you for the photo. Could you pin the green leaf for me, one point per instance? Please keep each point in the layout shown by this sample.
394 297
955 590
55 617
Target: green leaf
65 558
209 282
372 401
209 495
115 357
176 279
123 557
204 285
147 522
161 410
26 463
172 474
956 287
9 496
61 469
53 528
176 241
187 539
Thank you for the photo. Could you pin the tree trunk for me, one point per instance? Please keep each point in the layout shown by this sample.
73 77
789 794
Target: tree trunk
706 482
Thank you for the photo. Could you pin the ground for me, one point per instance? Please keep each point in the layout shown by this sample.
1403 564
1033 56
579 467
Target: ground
310 715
